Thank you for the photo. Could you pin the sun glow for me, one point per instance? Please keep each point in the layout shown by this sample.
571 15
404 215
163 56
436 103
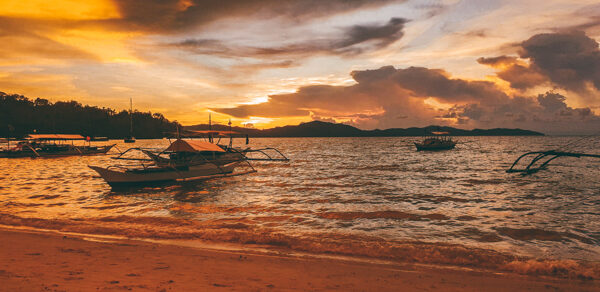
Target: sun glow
59 9
106 45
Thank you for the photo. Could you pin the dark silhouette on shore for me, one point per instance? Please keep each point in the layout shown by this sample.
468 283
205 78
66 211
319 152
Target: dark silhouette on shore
20 116
326 129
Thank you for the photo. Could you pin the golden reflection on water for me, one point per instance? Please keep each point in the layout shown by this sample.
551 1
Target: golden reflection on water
376 190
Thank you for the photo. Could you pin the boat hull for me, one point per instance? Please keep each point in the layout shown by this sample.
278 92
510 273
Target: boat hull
151 175
437 147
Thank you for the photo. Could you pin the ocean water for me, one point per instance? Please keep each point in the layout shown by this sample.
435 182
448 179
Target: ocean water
374 198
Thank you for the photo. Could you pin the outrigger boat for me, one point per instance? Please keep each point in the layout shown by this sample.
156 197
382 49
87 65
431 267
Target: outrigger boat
183 160
175 169
542 159
440 141
45 145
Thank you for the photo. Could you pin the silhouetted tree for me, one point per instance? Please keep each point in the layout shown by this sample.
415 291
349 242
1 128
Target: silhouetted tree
20 116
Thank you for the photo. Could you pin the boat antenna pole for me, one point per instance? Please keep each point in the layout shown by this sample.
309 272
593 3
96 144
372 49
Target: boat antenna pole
230 135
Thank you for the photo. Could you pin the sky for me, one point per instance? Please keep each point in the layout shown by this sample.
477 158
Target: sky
264 63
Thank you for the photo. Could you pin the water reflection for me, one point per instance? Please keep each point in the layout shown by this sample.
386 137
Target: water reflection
376 188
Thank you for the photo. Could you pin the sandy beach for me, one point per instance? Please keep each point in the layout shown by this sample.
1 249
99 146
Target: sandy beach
49 261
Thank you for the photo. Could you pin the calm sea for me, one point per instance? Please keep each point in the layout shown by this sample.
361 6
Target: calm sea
375 198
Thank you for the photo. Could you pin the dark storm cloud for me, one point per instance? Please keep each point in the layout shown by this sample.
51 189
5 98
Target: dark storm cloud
353 40
382 34
547 112
173 15
569 59
497 61
424 82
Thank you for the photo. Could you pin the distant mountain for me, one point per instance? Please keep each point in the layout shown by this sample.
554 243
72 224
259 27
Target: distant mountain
325 129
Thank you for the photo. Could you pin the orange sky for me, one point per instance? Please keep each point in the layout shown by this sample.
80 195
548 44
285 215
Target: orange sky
268 62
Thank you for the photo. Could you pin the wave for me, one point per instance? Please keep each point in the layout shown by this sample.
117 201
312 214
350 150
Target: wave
381 215
243 231
541 234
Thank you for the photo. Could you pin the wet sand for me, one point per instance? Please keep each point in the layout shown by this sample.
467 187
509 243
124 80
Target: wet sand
48 261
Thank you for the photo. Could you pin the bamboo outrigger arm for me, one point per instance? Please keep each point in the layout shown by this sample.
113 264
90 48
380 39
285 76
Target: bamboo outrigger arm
120 156
546 157
269 158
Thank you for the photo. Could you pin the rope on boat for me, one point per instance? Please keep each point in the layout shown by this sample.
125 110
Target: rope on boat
36 153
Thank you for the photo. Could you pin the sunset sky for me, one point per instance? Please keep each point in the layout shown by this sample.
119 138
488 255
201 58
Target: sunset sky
371 64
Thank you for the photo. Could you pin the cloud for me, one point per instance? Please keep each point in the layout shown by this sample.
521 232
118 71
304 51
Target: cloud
353 40
519 74
390 97
179 15
382 95
27 43
569 60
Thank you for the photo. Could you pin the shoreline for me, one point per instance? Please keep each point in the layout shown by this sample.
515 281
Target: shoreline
33 260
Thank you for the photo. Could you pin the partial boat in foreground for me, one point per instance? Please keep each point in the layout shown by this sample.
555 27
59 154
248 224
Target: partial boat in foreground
52 145
440 141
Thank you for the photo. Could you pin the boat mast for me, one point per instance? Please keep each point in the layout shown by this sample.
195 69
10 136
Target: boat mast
130 117
230 135
210 137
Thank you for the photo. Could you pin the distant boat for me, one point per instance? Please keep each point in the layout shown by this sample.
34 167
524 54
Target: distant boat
440 141
130 139
45 145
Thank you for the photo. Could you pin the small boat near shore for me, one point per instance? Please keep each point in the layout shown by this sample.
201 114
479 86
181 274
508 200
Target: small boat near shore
52 145
440 141
185 160
192 152
124 176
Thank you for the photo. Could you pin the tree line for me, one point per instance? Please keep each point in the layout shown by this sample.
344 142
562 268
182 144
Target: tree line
20 116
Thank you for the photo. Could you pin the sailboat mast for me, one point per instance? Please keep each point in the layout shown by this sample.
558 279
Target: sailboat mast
210 137
230 135
130 117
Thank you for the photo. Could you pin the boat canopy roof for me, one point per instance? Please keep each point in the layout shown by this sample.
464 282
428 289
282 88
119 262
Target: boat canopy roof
193 146
55 137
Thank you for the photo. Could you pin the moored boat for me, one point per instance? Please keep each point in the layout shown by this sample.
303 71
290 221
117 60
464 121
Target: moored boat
123 176
52 145
184 160
440 141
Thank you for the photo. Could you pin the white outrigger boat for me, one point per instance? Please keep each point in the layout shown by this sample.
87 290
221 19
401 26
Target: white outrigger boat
123 176
173 169
183 160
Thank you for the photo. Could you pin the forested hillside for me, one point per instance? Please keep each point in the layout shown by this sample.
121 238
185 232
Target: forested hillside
20 116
